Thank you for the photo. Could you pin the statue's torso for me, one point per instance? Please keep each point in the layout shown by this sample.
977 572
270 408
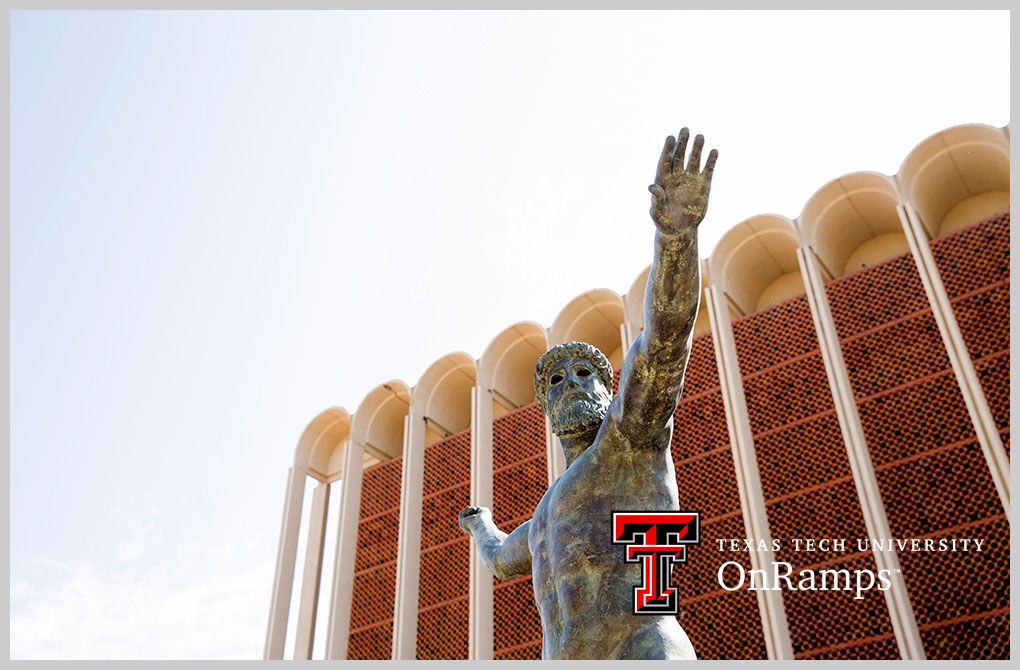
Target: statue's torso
583 586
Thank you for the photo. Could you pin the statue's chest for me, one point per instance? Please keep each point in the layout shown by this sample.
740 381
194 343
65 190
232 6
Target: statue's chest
588 493
592 488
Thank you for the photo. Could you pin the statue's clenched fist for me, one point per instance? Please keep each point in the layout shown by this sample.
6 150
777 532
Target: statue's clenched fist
470 516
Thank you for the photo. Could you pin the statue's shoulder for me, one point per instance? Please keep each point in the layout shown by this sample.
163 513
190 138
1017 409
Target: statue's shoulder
613 439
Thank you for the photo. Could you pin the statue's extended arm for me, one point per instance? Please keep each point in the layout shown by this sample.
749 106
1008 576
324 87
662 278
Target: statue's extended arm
652 375
507 556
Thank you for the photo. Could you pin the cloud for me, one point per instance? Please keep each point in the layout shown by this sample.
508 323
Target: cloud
129 550
211 606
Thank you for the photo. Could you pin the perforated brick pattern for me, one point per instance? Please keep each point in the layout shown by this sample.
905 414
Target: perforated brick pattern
520 478
721 624
375 643
833 623
371 633
444 574
804 470
380 488
518 627
931 474
985 636
974 266
443 629
974 257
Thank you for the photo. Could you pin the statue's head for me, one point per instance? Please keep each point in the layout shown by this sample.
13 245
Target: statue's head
574 384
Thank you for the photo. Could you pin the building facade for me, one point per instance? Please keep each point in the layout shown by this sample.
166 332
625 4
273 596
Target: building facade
848 379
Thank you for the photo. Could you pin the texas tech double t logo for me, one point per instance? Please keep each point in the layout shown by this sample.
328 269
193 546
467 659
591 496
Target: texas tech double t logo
657 540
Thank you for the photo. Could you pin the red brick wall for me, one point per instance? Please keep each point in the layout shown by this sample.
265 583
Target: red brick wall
932 476
974 266
443 587
806 481
519 480
721 624
375 563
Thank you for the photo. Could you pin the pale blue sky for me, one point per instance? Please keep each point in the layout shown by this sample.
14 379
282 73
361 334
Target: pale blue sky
224 223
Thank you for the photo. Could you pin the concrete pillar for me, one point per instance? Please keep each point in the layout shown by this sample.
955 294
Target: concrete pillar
338 631
628 332
959 358
405 606
897 599
286 555
745 464
555 463
312 575
480 600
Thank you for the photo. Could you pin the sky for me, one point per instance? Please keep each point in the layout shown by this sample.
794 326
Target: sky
224 223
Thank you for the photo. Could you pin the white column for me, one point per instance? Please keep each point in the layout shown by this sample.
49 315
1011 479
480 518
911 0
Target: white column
627 335
897 599
480 617
338 631
286 555
555 463
959 358
745 464
312 575
405 606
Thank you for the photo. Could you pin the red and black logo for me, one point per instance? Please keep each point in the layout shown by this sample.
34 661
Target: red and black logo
657 540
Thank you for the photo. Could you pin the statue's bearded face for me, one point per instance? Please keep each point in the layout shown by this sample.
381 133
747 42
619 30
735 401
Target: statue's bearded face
577 399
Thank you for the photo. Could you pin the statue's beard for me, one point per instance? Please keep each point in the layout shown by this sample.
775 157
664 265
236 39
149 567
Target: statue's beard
578 414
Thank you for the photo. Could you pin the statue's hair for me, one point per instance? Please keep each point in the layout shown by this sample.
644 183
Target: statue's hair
581 350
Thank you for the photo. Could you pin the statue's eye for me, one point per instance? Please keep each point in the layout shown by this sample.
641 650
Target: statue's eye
583 372
555 379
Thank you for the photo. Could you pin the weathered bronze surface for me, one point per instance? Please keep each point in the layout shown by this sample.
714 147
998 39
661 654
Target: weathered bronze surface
616 449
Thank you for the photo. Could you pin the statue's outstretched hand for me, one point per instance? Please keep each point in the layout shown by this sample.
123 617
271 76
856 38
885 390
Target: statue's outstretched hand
470 516
679 195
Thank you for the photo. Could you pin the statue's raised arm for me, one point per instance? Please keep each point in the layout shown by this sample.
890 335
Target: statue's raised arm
653 371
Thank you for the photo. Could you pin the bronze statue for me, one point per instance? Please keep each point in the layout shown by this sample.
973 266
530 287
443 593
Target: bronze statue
616 450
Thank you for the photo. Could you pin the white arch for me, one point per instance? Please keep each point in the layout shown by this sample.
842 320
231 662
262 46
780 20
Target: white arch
755 263
851 222
593 317
507 364
443 395
957 176
378 424
320 448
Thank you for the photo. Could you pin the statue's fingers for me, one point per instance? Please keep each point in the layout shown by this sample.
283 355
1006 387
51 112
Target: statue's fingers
666 159
681 149
694 164
710 167
657 192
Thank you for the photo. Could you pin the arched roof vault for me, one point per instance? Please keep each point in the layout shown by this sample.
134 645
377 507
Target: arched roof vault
320 448
851 222
507 364
957 176
378 425
593 317
755 263
443 394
